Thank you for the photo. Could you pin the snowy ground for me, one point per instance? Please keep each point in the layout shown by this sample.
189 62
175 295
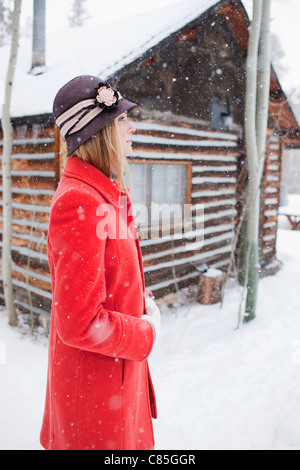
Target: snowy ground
217 387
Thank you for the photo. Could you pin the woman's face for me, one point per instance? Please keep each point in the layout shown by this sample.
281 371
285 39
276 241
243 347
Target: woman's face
125 130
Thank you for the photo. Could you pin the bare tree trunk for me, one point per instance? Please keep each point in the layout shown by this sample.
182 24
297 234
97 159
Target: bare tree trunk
252 210
256 119
78 14
6 170
263 84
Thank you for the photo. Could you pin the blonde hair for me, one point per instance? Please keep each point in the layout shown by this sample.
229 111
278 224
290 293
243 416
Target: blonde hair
103 150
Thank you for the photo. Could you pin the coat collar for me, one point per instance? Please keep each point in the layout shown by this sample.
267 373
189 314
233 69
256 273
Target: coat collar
83 171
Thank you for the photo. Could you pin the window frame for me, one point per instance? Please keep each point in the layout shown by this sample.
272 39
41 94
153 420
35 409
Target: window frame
159 225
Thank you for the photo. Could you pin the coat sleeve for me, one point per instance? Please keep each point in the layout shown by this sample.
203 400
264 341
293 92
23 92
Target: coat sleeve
77 264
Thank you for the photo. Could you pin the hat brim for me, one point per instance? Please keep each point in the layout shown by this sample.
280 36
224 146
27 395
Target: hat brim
78 138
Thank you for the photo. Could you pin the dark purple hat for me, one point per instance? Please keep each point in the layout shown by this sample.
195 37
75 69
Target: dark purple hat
83 106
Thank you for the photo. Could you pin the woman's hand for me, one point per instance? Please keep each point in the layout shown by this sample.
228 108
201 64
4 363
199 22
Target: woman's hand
152 316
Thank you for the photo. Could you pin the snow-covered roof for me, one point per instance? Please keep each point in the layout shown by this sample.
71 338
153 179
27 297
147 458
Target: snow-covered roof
96 50
99 49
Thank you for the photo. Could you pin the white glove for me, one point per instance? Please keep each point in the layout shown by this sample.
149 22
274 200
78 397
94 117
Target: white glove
152 316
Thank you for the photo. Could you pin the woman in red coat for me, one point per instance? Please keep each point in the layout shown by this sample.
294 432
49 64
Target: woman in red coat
103 323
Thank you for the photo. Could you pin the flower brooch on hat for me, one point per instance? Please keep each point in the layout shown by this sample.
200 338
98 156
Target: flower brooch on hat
106 96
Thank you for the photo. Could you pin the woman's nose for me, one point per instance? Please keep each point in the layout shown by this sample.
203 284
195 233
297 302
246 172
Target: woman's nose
132 129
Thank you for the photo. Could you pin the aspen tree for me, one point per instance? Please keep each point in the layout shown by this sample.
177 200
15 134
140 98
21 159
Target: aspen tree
256 122
6 169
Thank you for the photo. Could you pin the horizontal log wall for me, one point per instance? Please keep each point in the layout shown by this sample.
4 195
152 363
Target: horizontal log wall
33 182
168 263
271 200
171 263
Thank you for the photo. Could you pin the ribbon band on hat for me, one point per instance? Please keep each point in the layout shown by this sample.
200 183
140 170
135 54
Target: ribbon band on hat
79 115
68 120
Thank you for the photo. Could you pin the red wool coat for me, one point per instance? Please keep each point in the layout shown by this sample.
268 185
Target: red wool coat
99 390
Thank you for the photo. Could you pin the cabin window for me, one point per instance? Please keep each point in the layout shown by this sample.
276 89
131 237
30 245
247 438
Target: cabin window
219 115
159 191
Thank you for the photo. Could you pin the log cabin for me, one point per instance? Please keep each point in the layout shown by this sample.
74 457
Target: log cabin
186 72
